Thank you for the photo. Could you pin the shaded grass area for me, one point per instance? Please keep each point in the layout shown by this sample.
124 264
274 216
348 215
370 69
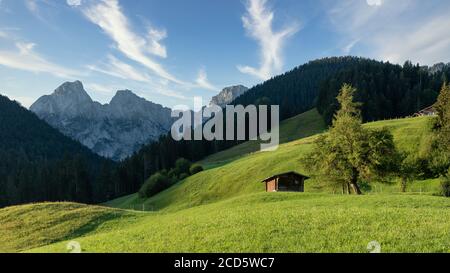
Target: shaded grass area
30 226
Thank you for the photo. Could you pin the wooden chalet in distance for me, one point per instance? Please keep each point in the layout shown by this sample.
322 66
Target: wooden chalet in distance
286 182
429 111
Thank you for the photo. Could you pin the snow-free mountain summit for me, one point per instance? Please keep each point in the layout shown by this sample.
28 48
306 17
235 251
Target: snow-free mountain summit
228 95
115 130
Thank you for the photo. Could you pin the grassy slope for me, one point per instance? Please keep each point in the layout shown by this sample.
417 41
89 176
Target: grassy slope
242 176
224 209
30 226
285 222
298 127
301 126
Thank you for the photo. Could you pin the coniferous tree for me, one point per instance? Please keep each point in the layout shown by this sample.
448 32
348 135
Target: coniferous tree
349 154
440 145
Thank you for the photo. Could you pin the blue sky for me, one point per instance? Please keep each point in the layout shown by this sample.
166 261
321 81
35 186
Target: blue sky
170 51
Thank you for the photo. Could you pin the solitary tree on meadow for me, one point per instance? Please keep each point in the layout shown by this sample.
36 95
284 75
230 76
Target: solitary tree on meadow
349 153
440 152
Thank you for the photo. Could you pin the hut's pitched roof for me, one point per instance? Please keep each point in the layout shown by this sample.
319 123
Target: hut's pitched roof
284 174
425 111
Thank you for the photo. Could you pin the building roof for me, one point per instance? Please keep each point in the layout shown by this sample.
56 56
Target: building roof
284 174
429 109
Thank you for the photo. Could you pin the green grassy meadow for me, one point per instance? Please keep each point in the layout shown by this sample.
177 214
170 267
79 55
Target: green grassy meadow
225 209
285 222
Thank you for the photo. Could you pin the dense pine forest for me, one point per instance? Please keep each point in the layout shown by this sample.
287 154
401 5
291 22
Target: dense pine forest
296 91
37 163
385 90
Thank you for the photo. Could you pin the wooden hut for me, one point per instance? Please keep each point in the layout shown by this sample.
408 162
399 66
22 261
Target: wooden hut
286 182
429 111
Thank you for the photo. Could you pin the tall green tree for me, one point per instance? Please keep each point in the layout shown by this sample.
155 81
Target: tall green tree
440 150
350 154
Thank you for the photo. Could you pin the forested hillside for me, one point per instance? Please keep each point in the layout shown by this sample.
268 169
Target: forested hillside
386 91
38 163
296 91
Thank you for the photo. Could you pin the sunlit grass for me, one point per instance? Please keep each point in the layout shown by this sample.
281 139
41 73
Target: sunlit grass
285 222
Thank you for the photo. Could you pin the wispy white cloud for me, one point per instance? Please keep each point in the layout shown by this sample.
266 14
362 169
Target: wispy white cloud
258 23
161 88
409 36
74 2
106 90
348 48
32 6
374 2
155 36
108 15
116 68
429 44
203 82
102 88
45 11
171 93
142 49
25 58
119 69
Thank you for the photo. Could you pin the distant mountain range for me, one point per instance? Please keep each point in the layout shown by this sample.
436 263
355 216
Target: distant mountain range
115 130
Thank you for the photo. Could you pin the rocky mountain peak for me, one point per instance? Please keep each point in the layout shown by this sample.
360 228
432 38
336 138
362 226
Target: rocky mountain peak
228 95
115 130
436 68
70 86
125 93
73 90
124 97
69 99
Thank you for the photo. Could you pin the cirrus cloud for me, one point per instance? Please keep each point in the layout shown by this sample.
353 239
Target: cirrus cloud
108 15
258 23
374 2
25 58
116 68
409 30
74 2
202 81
